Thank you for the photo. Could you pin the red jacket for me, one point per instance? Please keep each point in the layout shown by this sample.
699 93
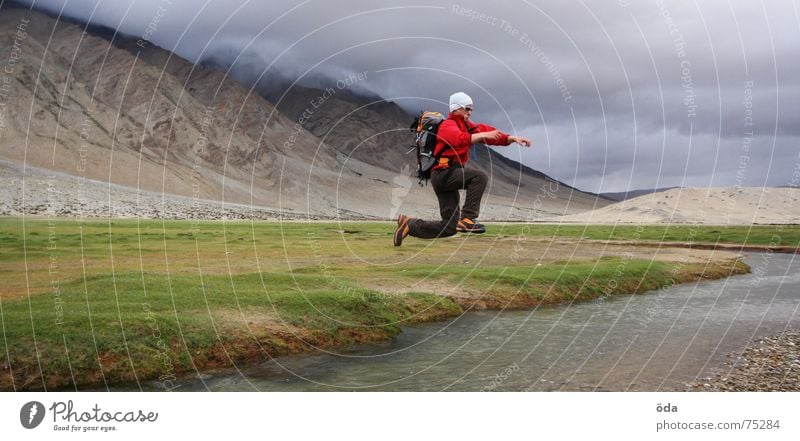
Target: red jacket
454 139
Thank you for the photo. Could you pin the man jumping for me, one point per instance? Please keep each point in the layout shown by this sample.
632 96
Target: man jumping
455 137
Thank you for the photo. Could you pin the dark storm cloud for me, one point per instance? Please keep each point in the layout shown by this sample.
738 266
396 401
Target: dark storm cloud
616 94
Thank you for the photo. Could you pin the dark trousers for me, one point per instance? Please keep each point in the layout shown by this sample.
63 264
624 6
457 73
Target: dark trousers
446 184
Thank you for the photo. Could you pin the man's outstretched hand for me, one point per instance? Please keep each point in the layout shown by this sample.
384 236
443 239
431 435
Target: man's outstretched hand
520 140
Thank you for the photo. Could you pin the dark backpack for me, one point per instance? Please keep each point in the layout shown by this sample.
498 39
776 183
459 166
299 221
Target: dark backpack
425 127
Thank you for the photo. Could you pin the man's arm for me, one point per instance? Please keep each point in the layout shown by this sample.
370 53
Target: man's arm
489 135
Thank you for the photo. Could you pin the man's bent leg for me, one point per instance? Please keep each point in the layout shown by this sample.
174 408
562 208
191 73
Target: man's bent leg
448 207
447 193
475 182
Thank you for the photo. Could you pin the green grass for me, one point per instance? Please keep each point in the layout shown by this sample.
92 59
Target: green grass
128 323
764 235
148 300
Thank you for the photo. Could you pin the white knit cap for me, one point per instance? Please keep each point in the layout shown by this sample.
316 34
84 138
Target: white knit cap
459 100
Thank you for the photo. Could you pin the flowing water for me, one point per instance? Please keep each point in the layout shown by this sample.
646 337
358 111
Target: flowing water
660 340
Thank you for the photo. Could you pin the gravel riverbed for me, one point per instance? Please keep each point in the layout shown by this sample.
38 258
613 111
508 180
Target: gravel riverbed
38 192
770 364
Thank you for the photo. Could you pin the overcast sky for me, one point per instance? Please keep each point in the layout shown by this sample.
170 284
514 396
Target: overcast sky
616 95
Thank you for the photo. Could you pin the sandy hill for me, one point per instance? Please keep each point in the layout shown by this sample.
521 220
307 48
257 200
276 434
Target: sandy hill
105 109
718 206
622 195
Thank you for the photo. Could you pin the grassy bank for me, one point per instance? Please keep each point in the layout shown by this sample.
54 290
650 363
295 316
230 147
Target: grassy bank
756 235
97 301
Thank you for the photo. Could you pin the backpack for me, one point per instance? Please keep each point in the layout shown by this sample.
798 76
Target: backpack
425 127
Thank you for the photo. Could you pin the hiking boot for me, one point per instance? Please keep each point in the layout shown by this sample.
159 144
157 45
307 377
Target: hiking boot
468 225
402 229
402 218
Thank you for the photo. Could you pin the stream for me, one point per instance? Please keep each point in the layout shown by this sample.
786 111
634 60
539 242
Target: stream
660 340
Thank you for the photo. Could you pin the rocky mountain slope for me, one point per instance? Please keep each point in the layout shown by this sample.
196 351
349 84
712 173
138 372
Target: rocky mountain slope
103 107
377 132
